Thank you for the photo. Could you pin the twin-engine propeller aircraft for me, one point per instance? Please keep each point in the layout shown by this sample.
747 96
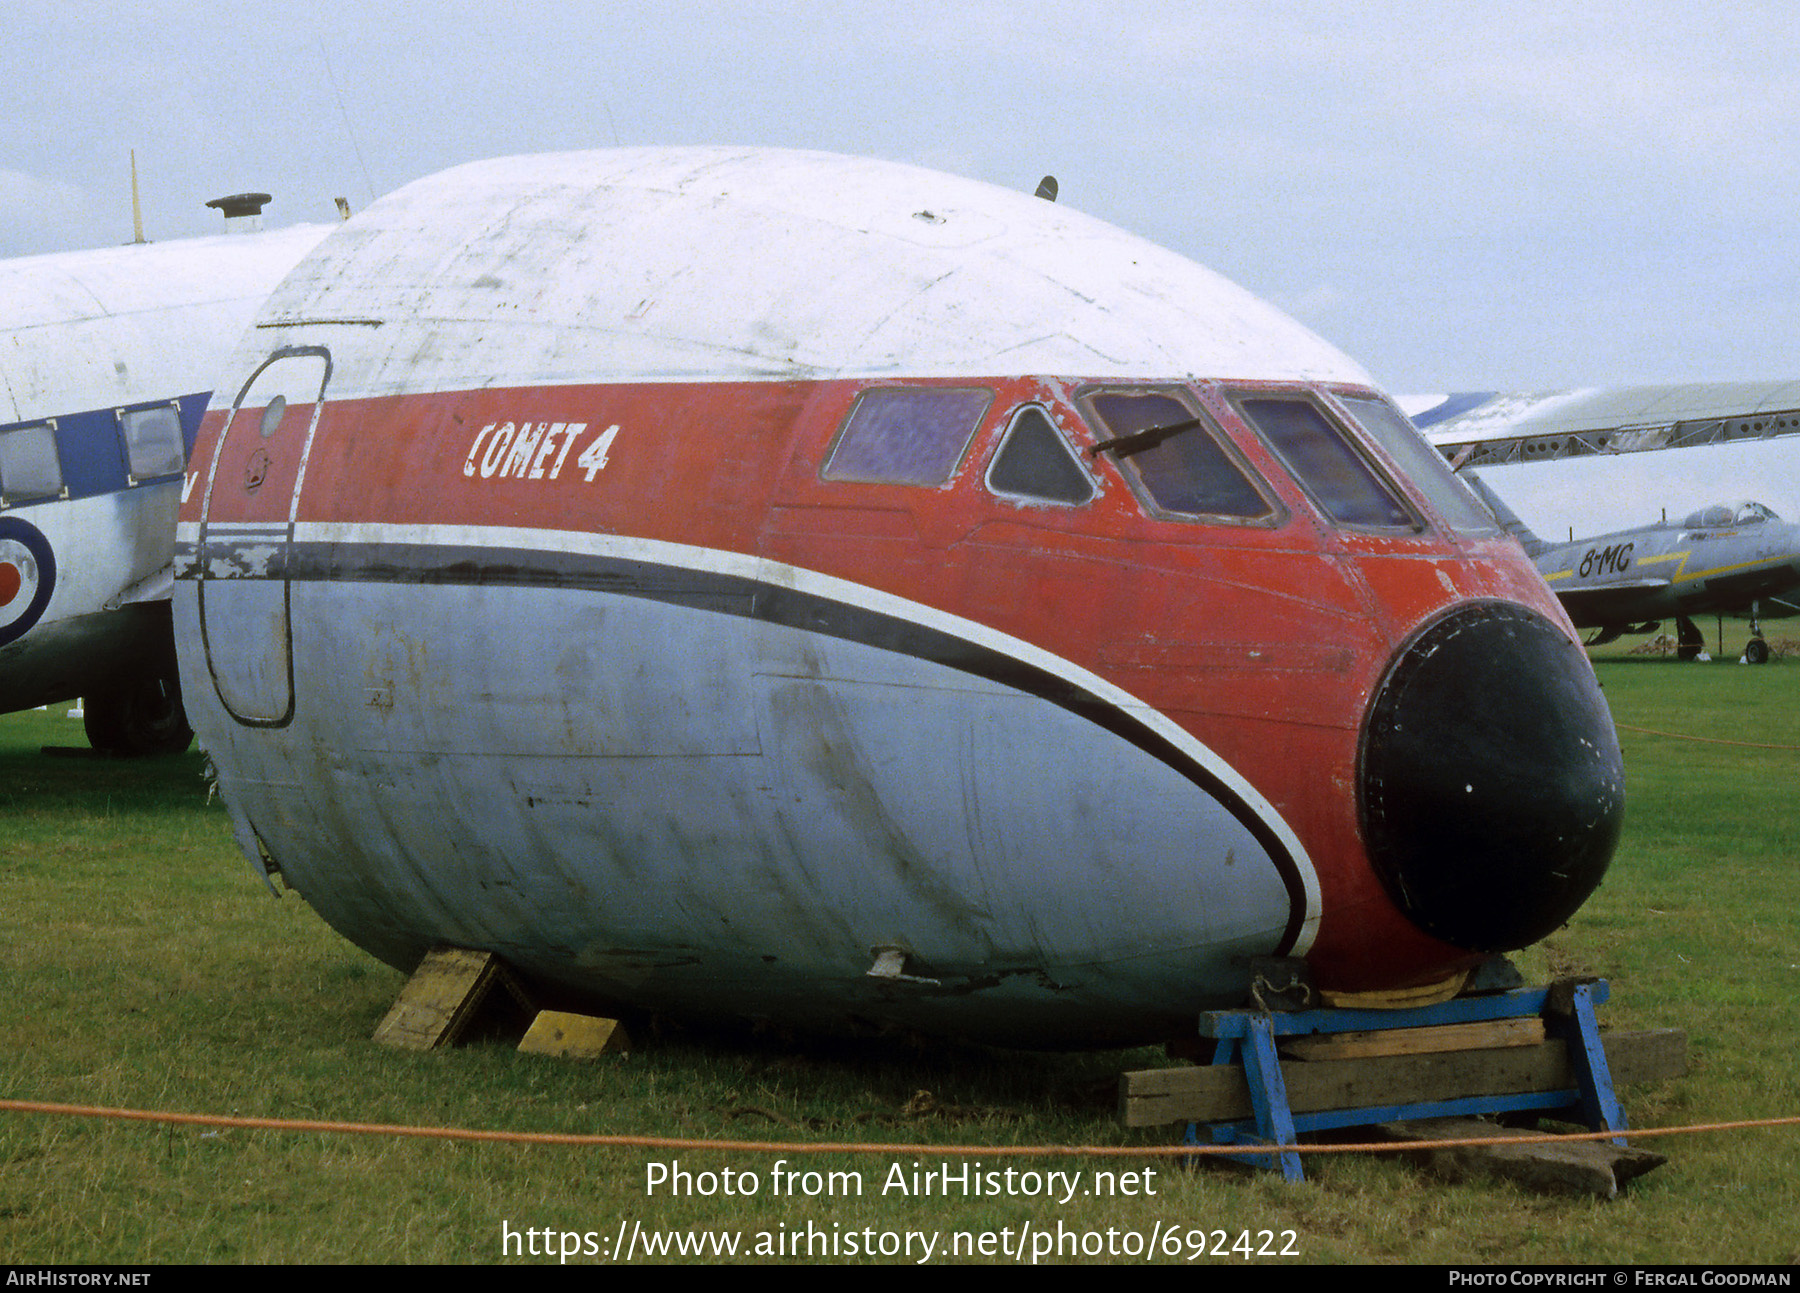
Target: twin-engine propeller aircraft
106 361
1727 559
777 586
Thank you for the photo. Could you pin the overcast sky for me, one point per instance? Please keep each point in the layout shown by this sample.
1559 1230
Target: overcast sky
1512 196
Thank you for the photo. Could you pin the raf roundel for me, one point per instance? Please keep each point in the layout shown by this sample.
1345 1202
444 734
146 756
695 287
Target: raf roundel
27 576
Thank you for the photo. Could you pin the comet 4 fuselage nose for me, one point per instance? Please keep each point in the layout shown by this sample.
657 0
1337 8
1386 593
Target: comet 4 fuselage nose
768 585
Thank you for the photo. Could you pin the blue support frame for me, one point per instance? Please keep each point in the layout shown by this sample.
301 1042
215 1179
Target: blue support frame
1248 1037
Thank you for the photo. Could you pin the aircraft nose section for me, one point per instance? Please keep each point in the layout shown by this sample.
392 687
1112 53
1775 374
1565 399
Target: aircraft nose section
1492 788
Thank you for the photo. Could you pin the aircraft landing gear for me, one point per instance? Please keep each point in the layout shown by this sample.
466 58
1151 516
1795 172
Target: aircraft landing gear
1756 651
138 716
1689 640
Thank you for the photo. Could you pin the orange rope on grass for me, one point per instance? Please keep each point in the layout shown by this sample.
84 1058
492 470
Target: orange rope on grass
1704 740
802 1147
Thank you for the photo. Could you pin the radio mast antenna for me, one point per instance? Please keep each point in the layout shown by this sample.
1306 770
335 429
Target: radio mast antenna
137 207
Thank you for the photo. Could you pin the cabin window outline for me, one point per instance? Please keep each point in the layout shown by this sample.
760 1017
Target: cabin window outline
1025 420
1351 454
155 456
31 466
906 434
1419 465
1274 513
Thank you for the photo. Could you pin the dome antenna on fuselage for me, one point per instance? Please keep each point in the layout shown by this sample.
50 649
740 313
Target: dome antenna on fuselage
242 211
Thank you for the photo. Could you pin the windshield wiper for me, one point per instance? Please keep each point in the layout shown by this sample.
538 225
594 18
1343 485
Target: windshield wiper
1120 446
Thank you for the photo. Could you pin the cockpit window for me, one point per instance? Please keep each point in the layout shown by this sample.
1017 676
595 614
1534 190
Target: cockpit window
906 435
29 465
1327 464
1721 514
1175 460
1035 463
1426 467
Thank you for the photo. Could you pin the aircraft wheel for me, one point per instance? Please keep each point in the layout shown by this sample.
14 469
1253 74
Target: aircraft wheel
1756 651
138 717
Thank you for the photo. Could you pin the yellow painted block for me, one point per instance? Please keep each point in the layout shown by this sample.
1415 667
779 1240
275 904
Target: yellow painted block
556 1032
439 999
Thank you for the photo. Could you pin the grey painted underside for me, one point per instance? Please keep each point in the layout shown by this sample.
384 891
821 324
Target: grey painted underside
666 806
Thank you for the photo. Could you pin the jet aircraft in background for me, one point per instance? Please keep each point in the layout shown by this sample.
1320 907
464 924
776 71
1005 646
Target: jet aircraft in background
1729 559
1737 559
107 359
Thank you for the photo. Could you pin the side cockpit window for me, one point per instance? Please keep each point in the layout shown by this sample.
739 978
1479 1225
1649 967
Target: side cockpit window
1035 463
1424 465
1327 464
906 435
1713 517
29 466
1175 460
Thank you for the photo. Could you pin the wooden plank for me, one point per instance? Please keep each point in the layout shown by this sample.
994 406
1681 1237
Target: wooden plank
1486 1035
1429 994
1594 1168
1153 1097
443 997
571 1036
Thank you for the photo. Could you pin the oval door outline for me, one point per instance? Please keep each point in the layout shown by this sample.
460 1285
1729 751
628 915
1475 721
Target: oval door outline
247 533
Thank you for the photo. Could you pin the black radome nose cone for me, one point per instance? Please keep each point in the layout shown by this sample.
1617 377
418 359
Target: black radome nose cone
1492 786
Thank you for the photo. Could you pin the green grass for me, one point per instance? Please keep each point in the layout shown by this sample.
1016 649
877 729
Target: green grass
144 965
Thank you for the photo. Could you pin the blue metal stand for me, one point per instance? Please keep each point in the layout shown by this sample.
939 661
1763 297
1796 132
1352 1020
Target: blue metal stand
1248 1037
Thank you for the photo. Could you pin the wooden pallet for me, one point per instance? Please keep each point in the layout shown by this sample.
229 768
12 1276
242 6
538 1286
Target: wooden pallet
1157 1097
1276 1075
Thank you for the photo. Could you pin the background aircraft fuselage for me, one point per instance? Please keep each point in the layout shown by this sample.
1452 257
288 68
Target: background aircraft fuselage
107 359
1728 560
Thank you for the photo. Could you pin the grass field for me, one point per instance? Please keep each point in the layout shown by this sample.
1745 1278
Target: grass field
143 965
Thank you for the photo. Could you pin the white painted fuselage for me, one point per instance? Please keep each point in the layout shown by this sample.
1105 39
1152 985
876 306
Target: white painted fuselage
107 359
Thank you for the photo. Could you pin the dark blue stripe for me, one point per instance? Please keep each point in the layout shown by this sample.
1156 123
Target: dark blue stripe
92 452
1452 405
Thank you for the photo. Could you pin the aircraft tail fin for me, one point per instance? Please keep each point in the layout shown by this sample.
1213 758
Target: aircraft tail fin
1509 519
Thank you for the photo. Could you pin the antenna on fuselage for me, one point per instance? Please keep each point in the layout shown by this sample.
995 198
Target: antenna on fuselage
1046 188
137 207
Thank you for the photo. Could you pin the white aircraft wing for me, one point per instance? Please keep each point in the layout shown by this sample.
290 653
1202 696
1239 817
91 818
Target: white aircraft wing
1487 429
